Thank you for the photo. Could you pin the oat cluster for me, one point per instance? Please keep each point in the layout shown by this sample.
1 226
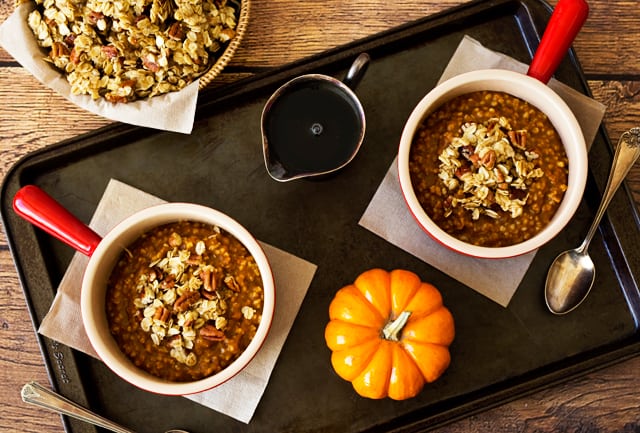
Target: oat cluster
182 298
123 50
487 168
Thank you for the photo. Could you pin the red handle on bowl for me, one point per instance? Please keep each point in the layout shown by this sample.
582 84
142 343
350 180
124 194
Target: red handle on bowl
41 210
565 23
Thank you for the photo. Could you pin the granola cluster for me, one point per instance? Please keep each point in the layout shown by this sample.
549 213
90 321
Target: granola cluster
123 50
488 167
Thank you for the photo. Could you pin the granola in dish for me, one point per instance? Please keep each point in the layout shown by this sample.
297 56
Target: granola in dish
124 50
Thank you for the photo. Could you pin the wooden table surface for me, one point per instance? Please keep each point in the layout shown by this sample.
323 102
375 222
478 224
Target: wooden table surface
281 31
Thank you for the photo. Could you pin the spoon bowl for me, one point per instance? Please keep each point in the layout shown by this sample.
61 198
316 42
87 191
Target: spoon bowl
572 273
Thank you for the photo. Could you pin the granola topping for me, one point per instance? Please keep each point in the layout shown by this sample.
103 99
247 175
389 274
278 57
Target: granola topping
184 300
179 298
488 167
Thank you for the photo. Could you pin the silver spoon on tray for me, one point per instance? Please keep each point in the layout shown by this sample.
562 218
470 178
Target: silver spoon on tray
572 273
40 396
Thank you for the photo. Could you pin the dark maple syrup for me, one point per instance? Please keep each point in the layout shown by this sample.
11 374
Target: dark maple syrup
314 126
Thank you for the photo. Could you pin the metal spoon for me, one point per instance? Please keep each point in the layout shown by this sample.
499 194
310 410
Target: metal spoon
572 273
40 396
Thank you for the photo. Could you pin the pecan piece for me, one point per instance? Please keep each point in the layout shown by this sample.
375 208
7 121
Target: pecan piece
70 39
231 283
128 83
211 333
149 62
460 171
518 138
174 341
162 314
175 31
112 97
74 57
208 280
110 51
489 160
185 301
209 295
169 281
93 17
58 49
467 151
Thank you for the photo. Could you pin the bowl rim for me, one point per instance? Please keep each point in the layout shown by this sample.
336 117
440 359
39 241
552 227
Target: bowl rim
523 87
100 266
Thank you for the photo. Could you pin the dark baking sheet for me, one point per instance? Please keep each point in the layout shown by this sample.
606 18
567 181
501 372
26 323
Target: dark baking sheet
499 353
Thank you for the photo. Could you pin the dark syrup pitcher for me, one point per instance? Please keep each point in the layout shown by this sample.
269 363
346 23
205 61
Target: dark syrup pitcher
313 125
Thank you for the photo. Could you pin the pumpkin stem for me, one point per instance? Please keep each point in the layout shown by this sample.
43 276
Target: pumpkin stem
393 329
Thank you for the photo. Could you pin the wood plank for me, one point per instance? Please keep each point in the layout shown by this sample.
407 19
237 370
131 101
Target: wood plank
622 99
308 29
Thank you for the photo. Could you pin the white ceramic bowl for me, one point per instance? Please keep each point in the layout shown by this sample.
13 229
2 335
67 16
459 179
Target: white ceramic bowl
102 262
532 91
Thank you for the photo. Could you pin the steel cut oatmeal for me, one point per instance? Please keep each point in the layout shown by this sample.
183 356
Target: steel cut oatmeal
489 168
184 300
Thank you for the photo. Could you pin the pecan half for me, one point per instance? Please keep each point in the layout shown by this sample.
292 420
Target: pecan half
58 49
162 314
183 303
489 160
231 283
175 31
208 280
211 333
110 51
518 138
150 63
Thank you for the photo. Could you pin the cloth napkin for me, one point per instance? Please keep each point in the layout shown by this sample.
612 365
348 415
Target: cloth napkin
238 397
173 111
388 216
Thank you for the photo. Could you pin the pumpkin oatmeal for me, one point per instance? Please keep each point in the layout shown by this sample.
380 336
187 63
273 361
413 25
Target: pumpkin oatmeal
489 168
184 300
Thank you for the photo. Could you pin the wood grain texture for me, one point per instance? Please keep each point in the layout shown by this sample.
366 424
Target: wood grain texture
281 31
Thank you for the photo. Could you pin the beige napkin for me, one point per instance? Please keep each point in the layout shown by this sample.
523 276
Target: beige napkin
388 216
239 397
173 111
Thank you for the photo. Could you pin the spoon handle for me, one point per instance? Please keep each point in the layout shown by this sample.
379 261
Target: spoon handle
40 396
625 156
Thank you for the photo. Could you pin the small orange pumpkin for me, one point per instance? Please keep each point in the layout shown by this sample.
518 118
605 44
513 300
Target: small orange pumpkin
389 334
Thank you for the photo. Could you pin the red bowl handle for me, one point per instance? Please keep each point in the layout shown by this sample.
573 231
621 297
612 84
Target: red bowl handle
41 210
565 23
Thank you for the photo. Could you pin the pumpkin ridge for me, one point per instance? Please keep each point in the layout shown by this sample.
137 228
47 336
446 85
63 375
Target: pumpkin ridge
425 301
341 335
438 357
345 363
403 286
373 285
435 328
368 382
405 367
337 307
